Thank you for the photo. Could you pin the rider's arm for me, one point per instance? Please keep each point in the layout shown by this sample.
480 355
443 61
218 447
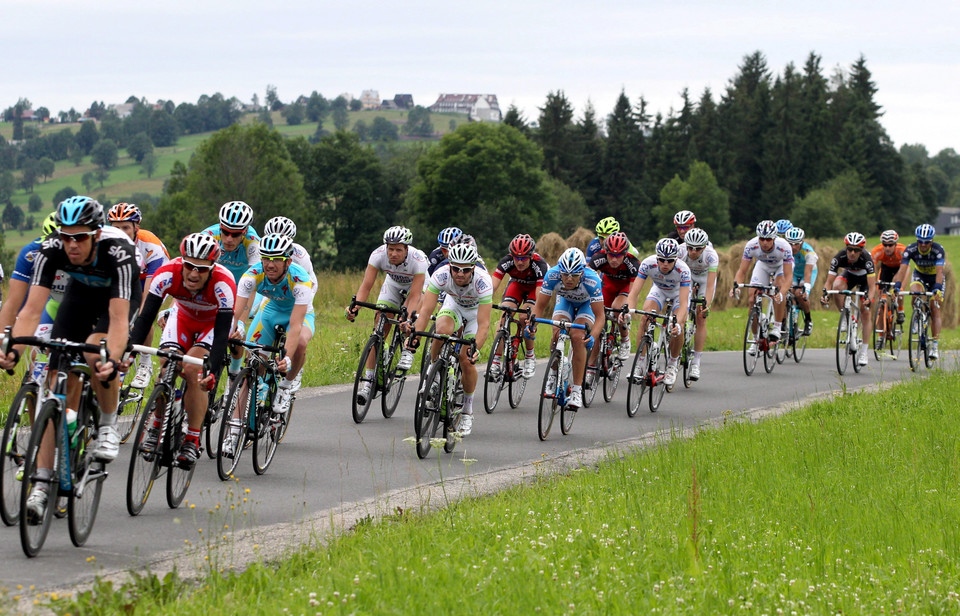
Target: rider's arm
369 276
427 304
415 296
599 319
118 332
787 277
483 323
542 299
29 316
148 314
742 270
939 278
901 273
635 287
293 333
711 288
15 296
683 303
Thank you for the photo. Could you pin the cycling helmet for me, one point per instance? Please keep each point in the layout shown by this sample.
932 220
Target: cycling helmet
281 225
795 235
200 246
925 232
80 210
465 239
50 225
616 243
889 236
783 225
124 212
572 261
607 226
397 235
766 229
448 236
855 239
668 248
684 217
276 245
522 245
235 215
696 238
463 253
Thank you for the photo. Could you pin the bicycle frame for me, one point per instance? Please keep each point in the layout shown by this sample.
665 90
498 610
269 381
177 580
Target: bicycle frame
756 334
439 398
384 360
650 361
919 341
849 336
506 347
560 366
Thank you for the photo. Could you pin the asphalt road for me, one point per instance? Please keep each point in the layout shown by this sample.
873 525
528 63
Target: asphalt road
328 461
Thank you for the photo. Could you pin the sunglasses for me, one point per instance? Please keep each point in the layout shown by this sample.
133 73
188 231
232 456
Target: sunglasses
659 260
684 227
516 258
461 270
79 238
889 245
615 255
277 258
566 275
854 249
193 267
230 233
918 241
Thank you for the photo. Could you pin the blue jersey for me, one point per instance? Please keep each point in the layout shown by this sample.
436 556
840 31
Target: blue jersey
590 288
800 263
292 289
23 270
246 255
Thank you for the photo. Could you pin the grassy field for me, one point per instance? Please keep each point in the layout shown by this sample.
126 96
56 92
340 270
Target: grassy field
815 512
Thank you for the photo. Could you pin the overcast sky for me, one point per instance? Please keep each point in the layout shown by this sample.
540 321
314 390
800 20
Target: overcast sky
63 53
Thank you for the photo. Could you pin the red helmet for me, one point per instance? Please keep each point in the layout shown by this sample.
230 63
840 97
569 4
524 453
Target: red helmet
522 245
616 243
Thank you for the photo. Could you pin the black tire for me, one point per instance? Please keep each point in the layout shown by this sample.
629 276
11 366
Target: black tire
843 357
211 423
880 334
360 411
780 350
393 380
129 408
749 337
799 345
32 536
611 368
913 341
226 465
283 421
144 468
927 360
638 384
589 393
686 354
82 509
548 398
265 440
178 478
16 440
770 355
856 341
493 387
658 361
425 419
516 383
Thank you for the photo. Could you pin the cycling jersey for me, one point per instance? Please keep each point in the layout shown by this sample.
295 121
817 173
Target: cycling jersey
924 262
589 290
616 281
246 255
152 252
880 257
301 257
862 266
596 245
672 281
23 270
532 276
113 267
218 293
478 291
294 287
435 260
780 254
707 262
805 256
402 274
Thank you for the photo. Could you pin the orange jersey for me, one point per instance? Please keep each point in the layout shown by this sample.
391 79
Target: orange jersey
893 261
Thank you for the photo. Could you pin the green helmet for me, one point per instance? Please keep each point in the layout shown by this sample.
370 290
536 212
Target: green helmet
49 225
608 226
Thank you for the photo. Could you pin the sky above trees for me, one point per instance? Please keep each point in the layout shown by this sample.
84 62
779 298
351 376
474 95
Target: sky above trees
178 50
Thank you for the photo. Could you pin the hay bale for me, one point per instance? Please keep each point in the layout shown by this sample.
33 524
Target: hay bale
551 246
581 238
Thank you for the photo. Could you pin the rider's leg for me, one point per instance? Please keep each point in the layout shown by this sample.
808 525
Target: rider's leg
195 398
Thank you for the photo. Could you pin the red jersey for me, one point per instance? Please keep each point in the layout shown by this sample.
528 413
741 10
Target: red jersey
219 293
533 275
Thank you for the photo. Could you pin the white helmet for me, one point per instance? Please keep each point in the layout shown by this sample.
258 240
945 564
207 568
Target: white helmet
462 253
398 235
235 215
696 238
281 225
572 261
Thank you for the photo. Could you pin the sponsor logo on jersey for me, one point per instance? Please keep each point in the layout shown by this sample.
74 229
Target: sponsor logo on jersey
118 253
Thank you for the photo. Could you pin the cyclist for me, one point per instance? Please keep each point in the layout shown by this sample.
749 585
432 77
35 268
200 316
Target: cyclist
604 229
579 292
300 256
928 258
618 270
405 267
858 273
204 293
703 261
151 254
683 221
102 297
288 288
526 269
467 305
671 287
888 255
804 273
438 256
783 225
774 266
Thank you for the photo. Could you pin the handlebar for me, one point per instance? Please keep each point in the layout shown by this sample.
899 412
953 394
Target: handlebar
654 315
843 292
256 347
445 338
766 288
511 309
922 293
561 324
379 307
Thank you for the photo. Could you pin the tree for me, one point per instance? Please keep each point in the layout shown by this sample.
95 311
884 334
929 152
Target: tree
317 107
87 180
164 129
22 105
265 118
272 100
87 137
293 114
514 118
46 167
139 146
30 171
341 119
383 129
101 174
7 186
418 123
63 194
105 154
356 104
360 128
555 136
42 113
12 216
700 194
76 155
622 194
35 203
149 164
842 205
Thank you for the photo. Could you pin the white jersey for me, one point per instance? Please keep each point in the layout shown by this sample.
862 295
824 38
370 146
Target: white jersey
403 274
670 282
478 291
708 262
780 253
301 257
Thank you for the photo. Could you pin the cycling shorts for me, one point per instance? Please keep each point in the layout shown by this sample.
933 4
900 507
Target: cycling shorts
393 294
85 310
765 275
565 310
46 320
612 288
462 317
700 284
663 297
887 273
928 280
521 293
183 332
854 282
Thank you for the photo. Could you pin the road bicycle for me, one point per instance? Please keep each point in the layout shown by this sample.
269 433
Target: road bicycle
609 363
387 380
795 345
689 334
130 403
505 355
887 333
849 336
756 334
248 408
16 439
648 374
440 398
215 398
75 473
918 344
558 382
147 464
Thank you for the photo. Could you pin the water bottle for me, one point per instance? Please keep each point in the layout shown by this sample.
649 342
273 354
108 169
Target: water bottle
39 371
71 424
262 391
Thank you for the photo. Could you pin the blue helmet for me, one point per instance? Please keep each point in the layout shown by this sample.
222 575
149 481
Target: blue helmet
668 248
80 210
448 236
235 215
276 245
766 229
572 261
783 225
795 235
925 232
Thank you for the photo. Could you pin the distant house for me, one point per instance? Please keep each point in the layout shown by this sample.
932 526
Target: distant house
480 107
122 110
948 222
370 100
403 101
388 105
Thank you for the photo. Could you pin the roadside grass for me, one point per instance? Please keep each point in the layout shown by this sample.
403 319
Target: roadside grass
845 506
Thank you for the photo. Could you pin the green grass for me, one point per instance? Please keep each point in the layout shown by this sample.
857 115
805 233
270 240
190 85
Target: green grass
846 506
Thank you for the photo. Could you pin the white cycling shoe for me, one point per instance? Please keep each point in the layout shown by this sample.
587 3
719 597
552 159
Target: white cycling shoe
694 372
466 425
144 372
670 376
406 360
529 367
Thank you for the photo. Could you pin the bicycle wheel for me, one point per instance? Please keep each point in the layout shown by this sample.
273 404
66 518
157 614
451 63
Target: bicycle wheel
843 328
516 384
880 331
611 368
16 439
589 393
426 416
770 354
686 354
791 332
895 339
233 404
657 361
927 360
548 396
129 407
265 440
393 380
178 478
780 348
211 423
144 466
751 342
493 386
360 410
638 379
853 347
913 341
87 476
33 532
799 344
